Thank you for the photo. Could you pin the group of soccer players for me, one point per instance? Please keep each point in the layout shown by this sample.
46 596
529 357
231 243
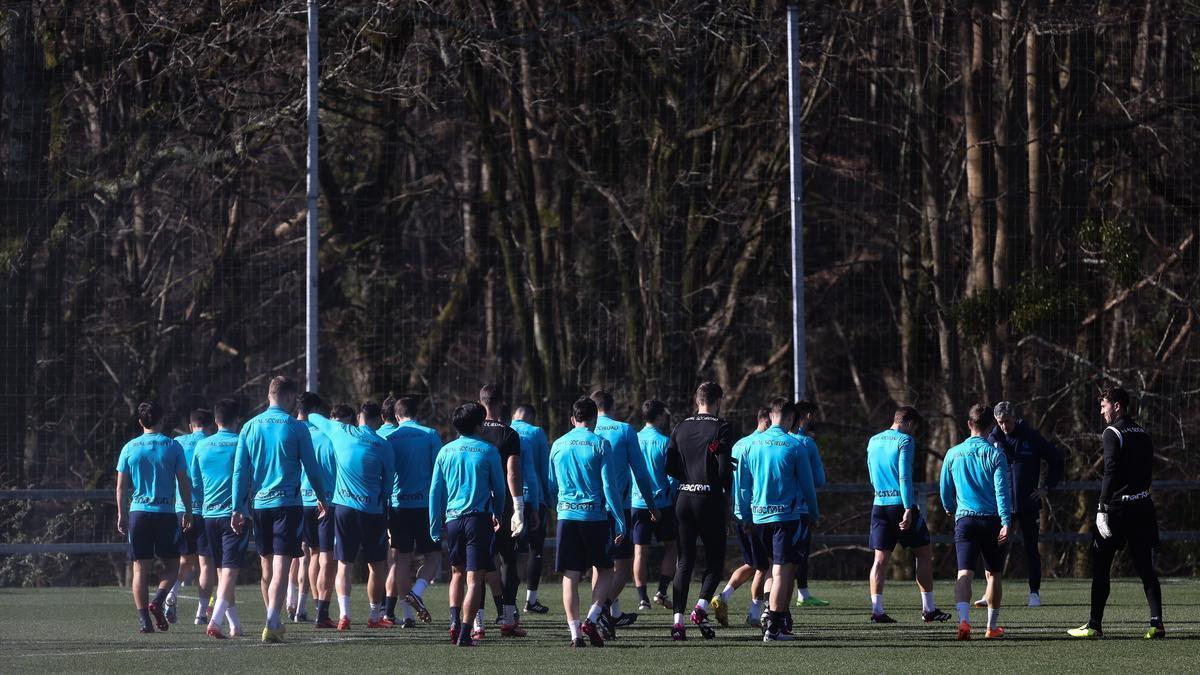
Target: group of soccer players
319 488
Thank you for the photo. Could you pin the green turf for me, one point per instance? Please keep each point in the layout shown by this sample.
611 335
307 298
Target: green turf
70 629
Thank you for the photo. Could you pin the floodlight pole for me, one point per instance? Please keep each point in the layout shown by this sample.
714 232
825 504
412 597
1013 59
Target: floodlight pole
794 99
312 231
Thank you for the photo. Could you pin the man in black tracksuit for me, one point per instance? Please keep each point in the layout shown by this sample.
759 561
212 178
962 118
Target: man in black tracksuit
1126 513
698 456
1026 449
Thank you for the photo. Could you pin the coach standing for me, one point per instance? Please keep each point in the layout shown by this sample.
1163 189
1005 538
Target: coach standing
1126 513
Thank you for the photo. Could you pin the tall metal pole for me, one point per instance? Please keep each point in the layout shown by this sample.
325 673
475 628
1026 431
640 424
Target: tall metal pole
312 233
794 99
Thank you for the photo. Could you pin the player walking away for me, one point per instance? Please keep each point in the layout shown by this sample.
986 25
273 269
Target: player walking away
512 524
756 563
387 410
802 431
212 482
626 453
193 542
415 449
319 529
583 481
775 469
895 517
535 467
1026 449
153 466
652 443
466 500
271 449
1126 515
698 456
366 474
976 493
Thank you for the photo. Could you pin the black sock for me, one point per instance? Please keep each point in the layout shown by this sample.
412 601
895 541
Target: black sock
389 606
664 581
160 596
641 590
455 617
322 610
499 600
144 617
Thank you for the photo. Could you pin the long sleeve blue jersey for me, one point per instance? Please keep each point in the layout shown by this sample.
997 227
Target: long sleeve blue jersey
584 478
653 445
741 489
890 461
212 474
975 481
327 463
188 443
535 461
813 454
467 479
272 447
366 465
153 462
415 449
776 468
626 452
387 429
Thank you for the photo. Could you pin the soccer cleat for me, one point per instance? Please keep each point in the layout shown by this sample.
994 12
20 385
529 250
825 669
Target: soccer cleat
993 633
935 615
325 623
201 620
145 628
578 643
271 635
454 633
981 603
644 606
160 620
536 607
1035 599
811 602
512 630
344 623
678 633
720 610
171 613
700 618
1086 631
418 606
408 623
478 634
237 632
214 632
592 633
1155 633
467 642
755 621
300 617
777 637
382 622
660 599
626 619
882 618
964 630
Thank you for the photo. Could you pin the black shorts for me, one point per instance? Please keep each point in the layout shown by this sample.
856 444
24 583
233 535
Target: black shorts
975 536
784 541
645 531
886 533
319 533
582 545
194 541
753 552
469 542
358 530
278 531
409 531
153 535
623 550
226 547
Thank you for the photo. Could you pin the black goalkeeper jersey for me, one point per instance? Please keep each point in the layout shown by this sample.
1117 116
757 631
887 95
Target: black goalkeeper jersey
1128 464
699 456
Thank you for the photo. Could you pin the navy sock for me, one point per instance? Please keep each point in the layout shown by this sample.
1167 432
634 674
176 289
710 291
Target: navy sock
322 610
160 596
144 616
389 606
642 594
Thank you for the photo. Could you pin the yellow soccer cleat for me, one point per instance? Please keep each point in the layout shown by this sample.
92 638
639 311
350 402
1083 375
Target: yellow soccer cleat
1086 631
720 609
271 635
1155 633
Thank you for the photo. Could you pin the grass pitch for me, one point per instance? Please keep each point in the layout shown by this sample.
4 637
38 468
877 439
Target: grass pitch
94 629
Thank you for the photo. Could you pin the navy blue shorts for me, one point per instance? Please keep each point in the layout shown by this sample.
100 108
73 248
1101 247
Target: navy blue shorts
319 533
227 548
469 542
624 550
975 536
645 531
153 535
359 530
783 541
194 541
885 529
753 552
278 531
582 545
409 531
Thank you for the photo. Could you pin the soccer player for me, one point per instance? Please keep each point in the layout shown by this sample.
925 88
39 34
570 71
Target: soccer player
512 524
193 546
583 485
1026 449
153 466
388 411
366 475
626 453
1126 516
415 449
775 470
466 499
212 479
698 456
652 443
535 466
895 517
802 431
319 529
756 563
976 493
272 447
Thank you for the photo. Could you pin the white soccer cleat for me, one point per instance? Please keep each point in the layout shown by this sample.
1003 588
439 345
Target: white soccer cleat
1035 600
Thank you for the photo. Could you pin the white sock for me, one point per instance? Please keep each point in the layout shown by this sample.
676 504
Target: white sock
231 615
302 602
702 604
755 609
202 608
615 609
877 603
727 593
218 614
479 622
574 626
408 610
173 593
964 611
344 605
678 619
993 618
531 597
273 618
374 612
927 602
293 589
594 612
804 594
419 587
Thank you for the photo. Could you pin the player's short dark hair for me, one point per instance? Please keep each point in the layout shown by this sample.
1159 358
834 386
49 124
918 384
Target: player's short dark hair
201 417
709 393
805 407
149 413
343 413
490 395
309 402
370 409
653 409
907 413
981 418
583 409
1115 395
281 385
784 407
526 411
388 409
603 400
764 414
226 412
407 406
467 417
